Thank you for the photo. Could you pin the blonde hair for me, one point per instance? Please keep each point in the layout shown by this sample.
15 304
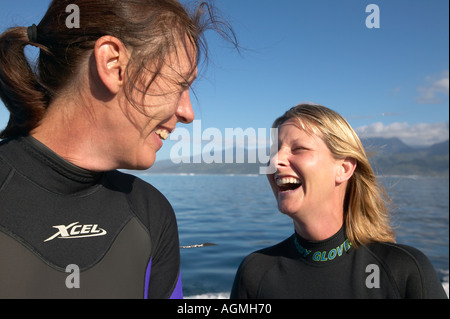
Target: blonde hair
366 215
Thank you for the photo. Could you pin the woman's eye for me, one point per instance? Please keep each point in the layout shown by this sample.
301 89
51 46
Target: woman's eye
184 85
298 148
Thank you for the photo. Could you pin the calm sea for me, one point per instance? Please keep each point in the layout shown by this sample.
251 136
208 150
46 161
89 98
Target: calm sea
239 215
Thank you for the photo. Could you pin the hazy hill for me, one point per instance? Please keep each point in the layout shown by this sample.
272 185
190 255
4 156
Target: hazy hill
388 157
393 157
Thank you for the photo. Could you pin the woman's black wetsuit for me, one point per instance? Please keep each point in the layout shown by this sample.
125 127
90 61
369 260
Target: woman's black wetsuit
296 268
118 231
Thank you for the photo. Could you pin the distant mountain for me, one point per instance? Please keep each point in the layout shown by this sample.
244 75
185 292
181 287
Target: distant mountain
388 157
393 157
239 164
386 145
439 149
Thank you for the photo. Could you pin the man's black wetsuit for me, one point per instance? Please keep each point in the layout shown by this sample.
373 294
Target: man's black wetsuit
119 231
296 268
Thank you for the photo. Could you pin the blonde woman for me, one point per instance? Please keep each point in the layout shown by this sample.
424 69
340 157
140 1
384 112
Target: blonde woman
343 246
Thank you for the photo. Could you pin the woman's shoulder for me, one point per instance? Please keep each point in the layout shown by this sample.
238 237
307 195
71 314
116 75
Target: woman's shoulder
410 268
254 267
266 256
147 202
394 254
131 184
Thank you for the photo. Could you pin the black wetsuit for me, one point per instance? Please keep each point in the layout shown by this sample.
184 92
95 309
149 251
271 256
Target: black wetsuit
119 232
296 268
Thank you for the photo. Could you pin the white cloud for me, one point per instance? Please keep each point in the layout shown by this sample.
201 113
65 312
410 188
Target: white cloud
434 90
415 135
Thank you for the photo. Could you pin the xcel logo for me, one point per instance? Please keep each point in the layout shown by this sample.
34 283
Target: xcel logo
77 231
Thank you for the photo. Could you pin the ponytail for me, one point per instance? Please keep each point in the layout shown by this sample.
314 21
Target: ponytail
20 88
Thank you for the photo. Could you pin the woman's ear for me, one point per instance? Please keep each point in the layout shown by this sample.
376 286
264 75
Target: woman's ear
111 59
345 170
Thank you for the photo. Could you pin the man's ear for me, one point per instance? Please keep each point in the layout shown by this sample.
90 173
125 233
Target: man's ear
345 170
111 59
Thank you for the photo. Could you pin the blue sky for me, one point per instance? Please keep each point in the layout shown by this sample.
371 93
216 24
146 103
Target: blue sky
387 81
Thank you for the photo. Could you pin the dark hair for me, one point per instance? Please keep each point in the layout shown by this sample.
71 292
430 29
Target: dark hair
149 27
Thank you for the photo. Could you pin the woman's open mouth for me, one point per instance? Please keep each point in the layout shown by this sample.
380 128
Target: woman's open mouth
286 184
162 133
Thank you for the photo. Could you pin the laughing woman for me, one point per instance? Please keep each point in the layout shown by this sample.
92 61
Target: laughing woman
343 245
101 97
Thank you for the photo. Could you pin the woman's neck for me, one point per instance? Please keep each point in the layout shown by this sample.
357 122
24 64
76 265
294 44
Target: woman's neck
319 229
70 132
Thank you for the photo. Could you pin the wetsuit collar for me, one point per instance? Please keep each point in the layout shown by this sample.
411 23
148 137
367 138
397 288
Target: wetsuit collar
57 174
325 251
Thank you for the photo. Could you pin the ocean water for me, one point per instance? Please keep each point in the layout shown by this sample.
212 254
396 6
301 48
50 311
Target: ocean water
239 215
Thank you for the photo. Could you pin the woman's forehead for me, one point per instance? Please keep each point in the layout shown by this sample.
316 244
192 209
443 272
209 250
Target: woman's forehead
300 125
182 61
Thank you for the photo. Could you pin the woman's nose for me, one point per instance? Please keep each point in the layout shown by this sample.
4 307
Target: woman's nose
185 113
281 158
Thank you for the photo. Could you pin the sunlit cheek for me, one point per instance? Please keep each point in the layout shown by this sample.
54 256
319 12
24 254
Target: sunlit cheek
160 107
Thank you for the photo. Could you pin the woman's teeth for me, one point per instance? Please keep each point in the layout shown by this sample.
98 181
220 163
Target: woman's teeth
288 180
162 133
288 183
